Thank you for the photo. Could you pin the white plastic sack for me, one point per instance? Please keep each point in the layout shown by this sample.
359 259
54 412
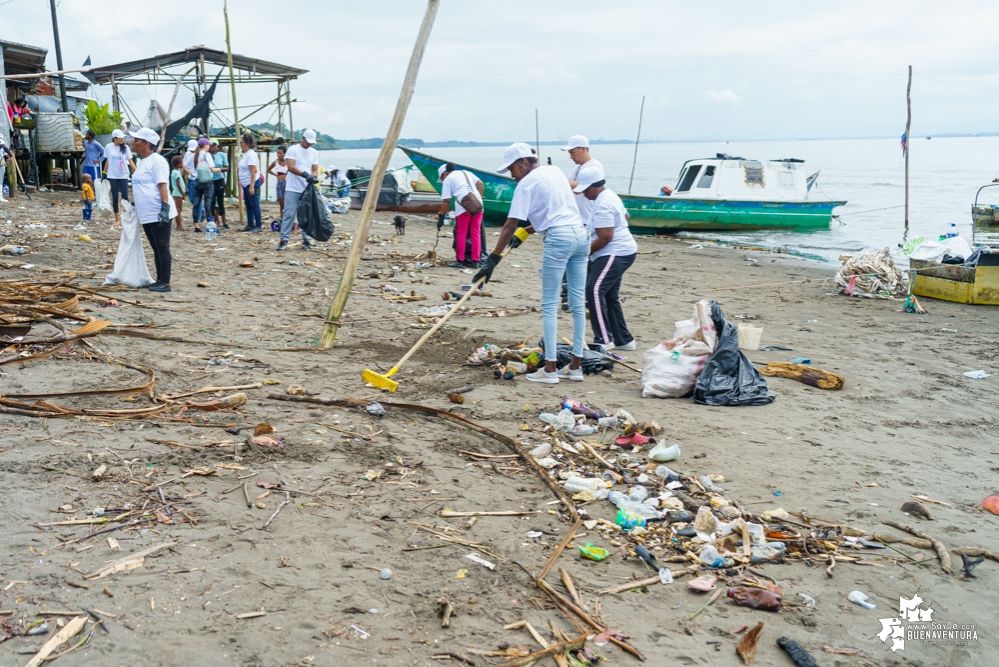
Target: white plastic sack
338 204
934 251
102 191
130 262
672 367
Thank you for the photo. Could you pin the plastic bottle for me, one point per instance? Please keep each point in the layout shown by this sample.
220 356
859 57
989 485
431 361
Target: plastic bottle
624 502
667 474
578 484
211 231
638 493
607 422
583 429
563 421
6 191
678 516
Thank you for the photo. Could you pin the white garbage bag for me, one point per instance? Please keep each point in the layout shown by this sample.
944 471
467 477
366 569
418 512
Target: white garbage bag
102 191
338 204
672 367
130 262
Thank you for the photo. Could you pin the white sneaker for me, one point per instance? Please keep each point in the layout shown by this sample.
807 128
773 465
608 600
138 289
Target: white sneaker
567 373
628 347
607 347
541 375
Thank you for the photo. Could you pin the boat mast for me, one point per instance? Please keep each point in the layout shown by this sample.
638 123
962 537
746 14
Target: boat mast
634 160
908 143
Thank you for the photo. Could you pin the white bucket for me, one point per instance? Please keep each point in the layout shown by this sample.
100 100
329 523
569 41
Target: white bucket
749 336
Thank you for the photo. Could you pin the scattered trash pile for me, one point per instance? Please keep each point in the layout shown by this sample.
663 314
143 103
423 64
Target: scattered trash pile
872 275
518 359
948 250
703 361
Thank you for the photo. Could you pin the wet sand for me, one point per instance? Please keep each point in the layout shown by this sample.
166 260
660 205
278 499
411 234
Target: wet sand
907 422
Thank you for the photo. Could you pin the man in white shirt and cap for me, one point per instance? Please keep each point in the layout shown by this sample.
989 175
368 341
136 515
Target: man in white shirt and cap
192 175
543 202
303 167
578 148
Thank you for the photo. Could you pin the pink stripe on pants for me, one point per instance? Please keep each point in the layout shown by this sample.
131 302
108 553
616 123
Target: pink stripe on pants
461 228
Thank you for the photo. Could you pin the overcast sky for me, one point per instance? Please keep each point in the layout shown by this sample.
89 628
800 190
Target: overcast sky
720 70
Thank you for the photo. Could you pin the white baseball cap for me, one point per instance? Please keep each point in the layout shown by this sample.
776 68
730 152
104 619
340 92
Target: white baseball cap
513 153
576 141
440 172
146 134
332 167
310 136
587 176
192 144
117 134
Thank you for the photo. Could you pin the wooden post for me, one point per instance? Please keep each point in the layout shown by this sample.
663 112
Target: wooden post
267 179
634 160
291 119
908 142
235 109
537 135
114 95
328 336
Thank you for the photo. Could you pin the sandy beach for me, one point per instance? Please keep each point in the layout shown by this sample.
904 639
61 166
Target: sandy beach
365 491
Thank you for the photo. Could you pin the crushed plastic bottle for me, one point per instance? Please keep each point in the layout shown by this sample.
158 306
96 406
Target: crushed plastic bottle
541 451
666 473
624 502
563 421
638 493
438 310
579 484
583 429
709 485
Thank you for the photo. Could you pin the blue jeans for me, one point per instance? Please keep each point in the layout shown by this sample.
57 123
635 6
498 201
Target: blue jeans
202 199
291 200
88 209
252 202
567 250
192 186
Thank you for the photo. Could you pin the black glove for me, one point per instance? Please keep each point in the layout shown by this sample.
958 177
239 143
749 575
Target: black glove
440 221
164 215
520 235
487 269
311 180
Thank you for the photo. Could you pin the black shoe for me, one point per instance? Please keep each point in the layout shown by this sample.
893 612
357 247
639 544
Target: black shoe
225 225
456 265
565 307
306 245
160 287
196 230
248 228
283 245
257 230
149 285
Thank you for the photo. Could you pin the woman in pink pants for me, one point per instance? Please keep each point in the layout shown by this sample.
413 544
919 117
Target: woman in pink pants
458 183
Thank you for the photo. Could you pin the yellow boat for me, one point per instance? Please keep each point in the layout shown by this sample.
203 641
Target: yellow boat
977 285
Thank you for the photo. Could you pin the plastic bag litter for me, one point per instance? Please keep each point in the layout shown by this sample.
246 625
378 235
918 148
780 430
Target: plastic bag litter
592 364
672 367
872 275
313 217
729 378
102 191
130 262
338 204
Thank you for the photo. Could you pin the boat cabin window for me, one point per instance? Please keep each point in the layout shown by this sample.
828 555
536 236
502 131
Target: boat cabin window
707 177
688 178
787 178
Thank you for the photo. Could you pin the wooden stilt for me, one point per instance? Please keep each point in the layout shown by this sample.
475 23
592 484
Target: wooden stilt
235 107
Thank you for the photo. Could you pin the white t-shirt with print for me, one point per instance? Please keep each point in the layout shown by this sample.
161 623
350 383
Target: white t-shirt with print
117 160
545 199
189 164
456 186
584 205
149 173
243 168
304 159
608 211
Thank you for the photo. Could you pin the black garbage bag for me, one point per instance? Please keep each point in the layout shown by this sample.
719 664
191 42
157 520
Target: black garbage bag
313 217
729 378
592 363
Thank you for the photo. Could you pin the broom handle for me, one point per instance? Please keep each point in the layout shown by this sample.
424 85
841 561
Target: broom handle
439 324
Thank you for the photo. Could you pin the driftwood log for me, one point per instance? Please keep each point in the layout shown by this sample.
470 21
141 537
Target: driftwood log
814 377
938 546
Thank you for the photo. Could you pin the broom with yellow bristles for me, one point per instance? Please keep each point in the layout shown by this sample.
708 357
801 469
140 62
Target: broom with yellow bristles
386 381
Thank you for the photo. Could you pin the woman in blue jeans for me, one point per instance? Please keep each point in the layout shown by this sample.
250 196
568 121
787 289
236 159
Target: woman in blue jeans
247 171
543 202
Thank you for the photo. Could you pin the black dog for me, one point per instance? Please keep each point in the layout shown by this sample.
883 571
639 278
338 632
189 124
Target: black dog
399 222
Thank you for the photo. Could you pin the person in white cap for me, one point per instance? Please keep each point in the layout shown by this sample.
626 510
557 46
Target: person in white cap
460 184
192 176
543 202
303 166
578 148
153 204
118 160
612 252
338 181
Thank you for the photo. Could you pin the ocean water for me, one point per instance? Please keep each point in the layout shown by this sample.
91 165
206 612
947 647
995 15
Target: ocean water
944 175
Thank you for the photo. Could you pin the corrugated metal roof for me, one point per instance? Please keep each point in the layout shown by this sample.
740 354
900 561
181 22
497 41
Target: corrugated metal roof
145 70
22 58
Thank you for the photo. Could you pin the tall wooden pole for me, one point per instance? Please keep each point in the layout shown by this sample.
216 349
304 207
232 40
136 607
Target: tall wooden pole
908 142
537 135
328 336
634 160
235 108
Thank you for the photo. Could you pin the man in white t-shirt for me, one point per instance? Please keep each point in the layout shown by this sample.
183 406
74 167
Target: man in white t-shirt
612 252
543 202
459 183
303 170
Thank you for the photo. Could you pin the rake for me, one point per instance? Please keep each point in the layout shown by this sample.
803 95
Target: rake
386 381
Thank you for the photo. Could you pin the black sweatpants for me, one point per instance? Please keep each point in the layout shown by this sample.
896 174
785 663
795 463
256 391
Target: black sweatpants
603 280
218 201
158 234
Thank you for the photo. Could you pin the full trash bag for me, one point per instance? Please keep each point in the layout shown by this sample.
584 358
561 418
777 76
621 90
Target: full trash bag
130 262
102 192
592 363
729 378
313 217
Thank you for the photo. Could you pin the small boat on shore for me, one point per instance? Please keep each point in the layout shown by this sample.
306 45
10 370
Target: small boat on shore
398 192
723 193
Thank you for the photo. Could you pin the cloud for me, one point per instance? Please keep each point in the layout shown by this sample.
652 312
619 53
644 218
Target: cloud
728 95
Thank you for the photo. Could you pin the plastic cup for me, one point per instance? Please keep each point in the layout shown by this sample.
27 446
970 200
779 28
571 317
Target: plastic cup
749 337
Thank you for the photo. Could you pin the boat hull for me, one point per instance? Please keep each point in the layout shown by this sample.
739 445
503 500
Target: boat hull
659 215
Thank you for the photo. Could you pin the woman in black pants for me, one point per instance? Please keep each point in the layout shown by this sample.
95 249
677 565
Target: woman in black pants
153 203
117 161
